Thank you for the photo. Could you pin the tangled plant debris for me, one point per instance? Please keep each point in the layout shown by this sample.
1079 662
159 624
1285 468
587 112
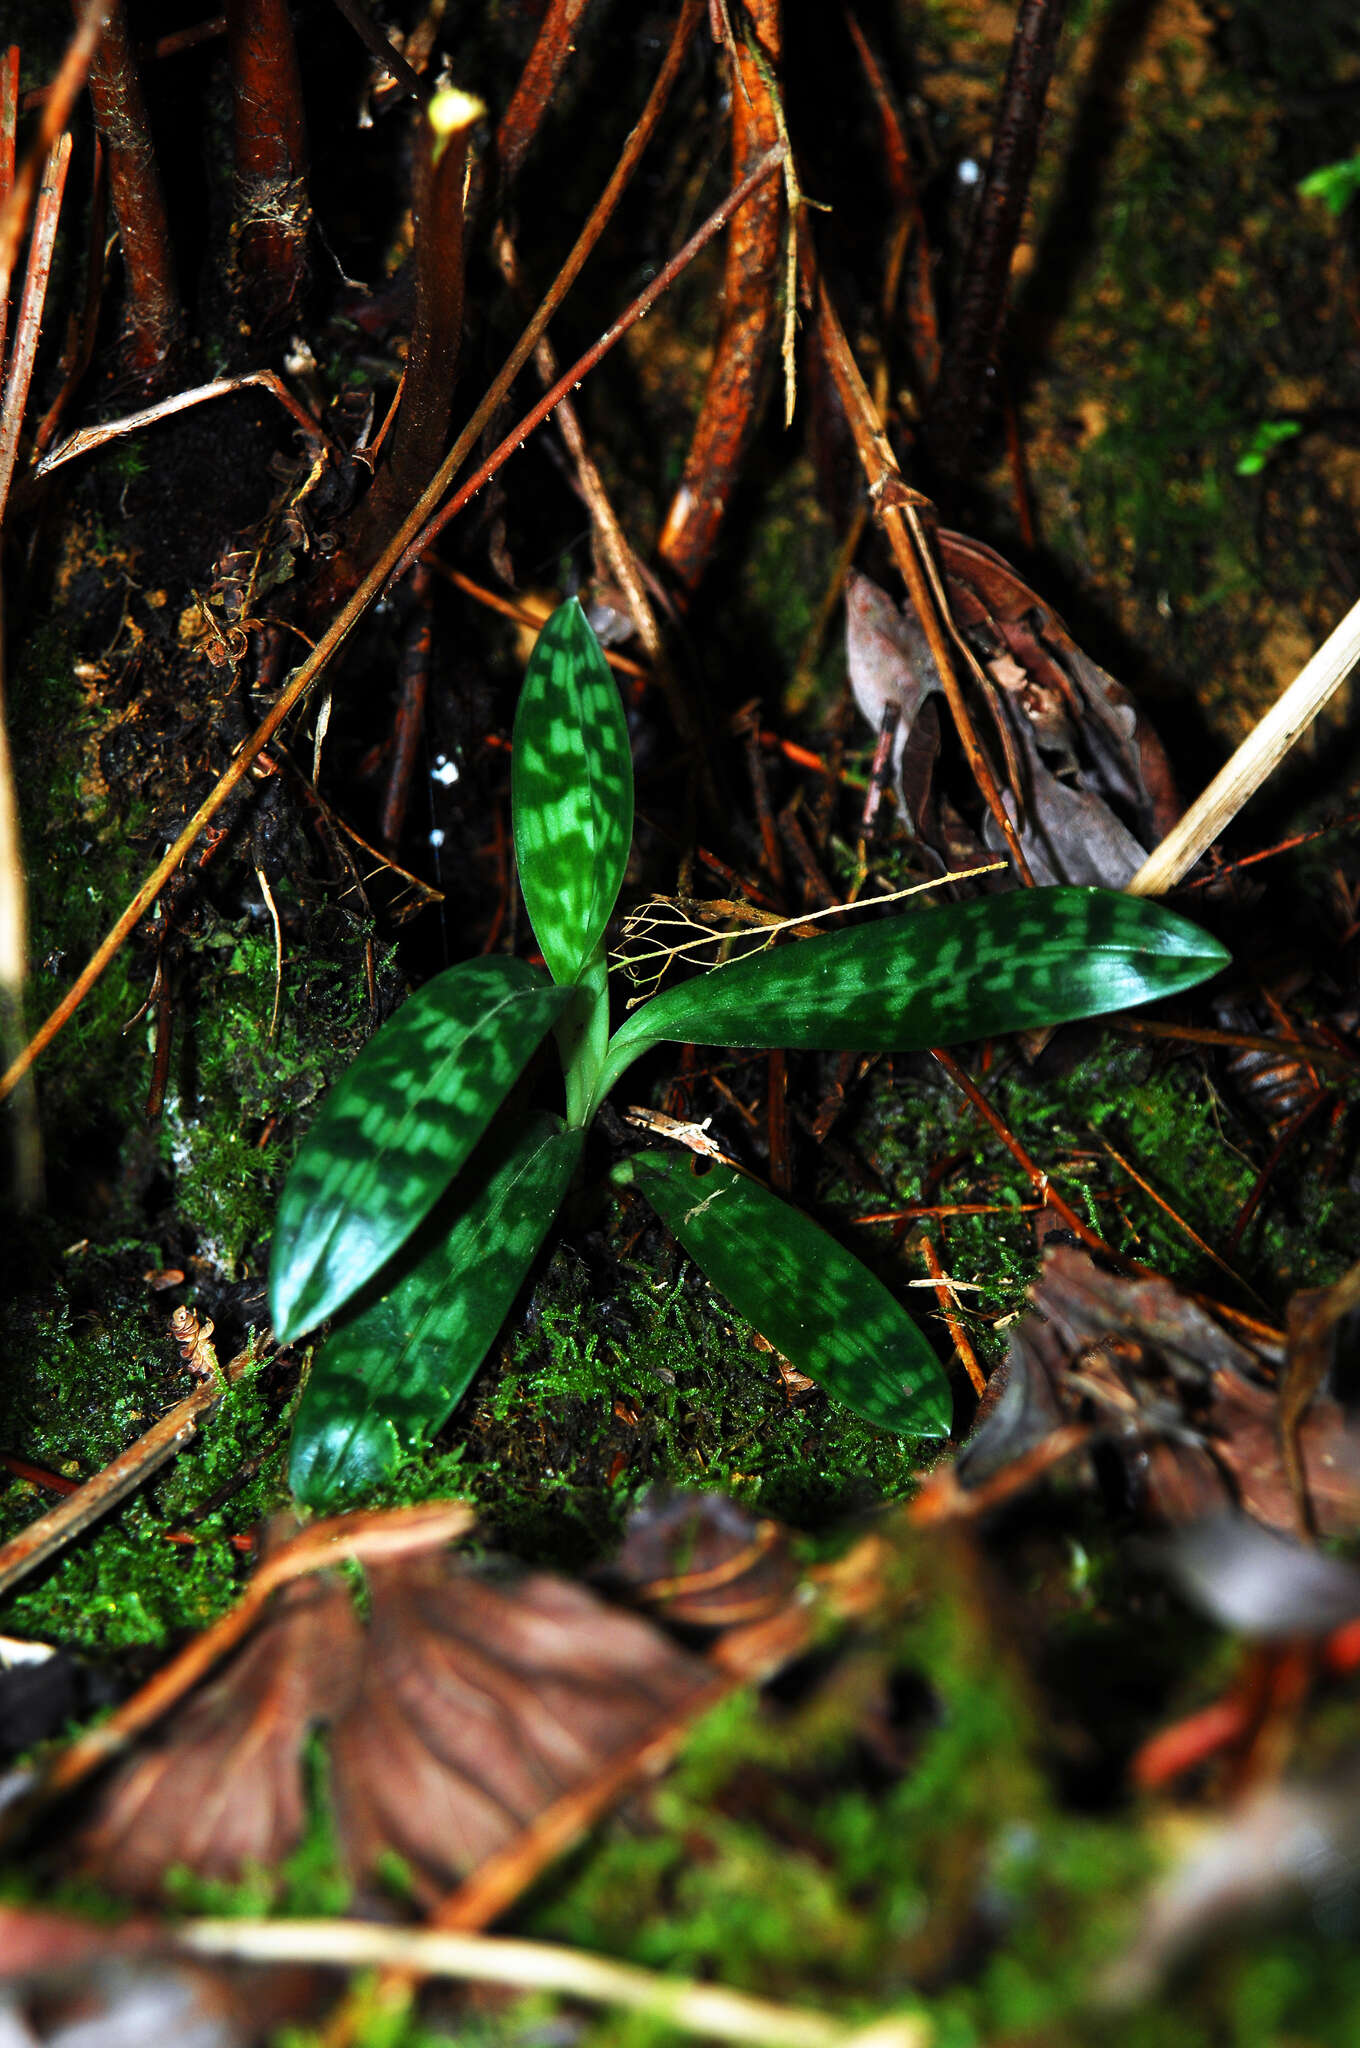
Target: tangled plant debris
663 1633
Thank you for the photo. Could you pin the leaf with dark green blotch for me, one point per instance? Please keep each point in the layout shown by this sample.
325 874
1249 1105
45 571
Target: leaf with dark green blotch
397 1126
1017 962
393 1371
815 1302
571 786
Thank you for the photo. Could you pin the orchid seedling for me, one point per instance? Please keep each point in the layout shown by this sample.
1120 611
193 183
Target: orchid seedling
428 1182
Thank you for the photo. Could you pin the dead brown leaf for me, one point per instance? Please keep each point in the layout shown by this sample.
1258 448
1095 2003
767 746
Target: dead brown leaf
1089 786
480 1704
221 1791
471 1702
1193 1408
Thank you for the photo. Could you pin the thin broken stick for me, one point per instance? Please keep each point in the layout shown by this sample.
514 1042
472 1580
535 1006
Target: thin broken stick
165 1439
1257 757
90 438
681 2002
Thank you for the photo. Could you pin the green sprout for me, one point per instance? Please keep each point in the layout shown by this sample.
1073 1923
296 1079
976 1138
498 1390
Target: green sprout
1334 184
1265 439
427 1184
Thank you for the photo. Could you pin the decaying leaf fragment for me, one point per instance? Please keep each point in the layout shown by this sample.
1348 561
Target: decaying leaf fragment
1194 1408
1257 1583
1086 780
481 1704
222 1791
473 1700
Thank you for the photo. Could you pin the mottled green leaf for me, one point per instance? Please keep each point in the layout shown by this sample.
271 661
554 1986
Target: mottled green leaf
571 787
396 1128
394 1369
935 977
813 1300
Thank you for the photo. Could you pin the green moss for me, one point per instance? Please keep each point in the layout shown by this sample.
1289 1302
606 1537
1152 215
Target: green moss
236 1082
81 871
125 1583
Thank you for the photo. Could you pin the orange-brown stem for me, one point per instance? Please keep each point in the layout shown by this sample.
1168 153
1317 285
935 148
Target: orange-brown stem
426 408
413 688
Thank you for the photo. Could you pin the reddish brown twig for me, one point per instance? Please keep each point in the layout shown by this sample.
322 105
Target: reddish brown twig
1246 1041
944 1295
746 723
1039 1180
272 213
629 157
413 685
519 123
639 310
1160 1201
153 326
970 345
181 39
1267 1174
750 321
60 1525
55 114
408 544
531 614
29 323
908 237
610 539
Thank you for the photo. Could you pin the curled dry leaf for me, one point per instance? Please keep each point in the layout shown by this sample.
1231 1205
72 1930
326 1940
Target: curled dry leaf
698 1560
469 1704
1089 789
1194 1408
